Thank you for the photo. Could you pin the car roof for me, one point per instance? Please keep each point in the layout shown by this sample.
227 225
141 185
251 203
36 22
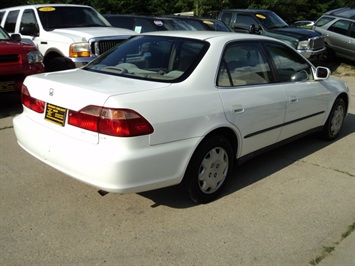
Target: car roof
206 35
46 5
138 16
189 17
248 10
344 12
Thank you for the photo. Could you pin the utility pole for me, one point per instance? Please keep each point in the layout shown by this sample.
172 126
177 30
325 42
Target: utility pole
197 8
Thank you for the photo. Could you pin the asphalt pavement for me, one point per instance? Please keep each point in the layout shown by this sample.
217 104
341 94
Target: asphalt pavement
344 251
289 206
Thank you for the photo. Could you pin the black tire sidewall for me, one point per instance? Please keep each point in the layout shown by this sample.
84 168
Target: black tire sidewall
59 63
191 181
326 133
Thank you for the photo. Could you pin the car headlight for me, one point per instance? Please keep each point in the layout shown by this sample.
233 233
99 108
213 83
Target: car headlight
303 45
291 43
80 49
34 57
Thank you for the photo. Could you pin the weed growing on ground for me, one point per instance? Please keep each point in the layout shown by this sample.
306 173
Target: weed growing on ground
327 250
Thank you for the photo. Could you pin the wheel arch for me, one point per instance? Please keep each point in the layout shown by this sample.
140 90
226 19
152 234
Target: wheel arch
228 133
345 98
52 54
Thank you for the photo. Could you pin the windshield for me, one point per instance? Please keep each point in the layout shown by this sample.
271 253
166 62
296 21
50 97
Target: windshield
156 58
271 21
70 17
323 20
3 35
216 25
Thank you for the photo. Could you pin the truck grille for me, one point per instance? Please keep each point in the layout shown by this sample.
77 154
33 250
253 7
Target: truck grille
9 58
100 46
317 43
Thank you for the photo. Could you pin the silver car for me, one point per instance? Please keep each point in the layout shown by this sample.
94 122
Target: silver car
338 28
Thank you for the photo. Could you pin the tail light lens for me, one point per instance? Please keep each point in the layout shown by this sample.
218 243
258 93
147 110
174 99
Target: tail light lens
30 102
110 121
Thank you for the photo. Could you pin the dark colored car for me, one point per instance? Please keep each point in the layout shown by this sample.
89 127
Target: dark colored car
309 43
203 23
141 23
17 60
338 29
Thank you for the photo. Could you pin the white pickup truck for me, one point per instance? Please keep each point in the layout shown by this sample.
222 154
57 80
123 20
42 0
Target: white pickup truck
67 35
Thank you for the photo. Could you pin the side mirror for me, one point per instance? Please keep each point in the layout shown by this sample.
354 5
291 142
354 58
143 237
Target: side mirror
299 76
16 37
253 29
322 73
29 30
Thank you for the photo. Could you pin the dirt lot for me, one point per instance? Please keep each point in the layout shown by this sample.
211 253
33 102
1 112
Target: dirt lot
340 68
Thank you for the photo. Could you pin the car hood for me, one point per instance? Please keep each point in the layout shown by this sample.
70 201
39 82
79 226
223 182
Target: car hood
85 34
301 34
13 47
84 87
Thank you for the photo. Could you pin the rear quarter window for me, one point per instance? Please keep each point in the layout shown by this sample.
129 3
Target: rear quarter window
352 30
341 27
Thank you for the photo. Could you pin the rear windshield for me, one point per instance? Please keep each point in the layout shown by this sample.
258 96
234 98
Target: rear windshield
70 17
153 58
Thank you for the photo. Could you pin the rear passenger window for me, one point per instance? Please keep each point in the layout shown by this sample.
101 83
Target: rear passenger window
341 27
10 21
243 64
352 30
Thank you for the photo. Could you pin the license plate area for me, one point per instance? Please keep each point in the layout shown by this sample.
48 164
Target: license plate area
6 86
56 114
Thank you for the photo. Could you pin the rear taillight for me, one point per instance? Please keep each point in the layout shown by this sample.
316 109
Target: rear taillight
30 102
110 121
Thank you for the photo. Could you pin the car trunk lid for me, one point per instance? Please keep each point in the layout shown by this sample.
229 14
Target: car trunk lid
74 90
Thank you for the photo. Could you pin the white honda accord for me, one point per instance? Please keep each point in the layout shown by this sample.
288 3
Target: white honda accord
176 108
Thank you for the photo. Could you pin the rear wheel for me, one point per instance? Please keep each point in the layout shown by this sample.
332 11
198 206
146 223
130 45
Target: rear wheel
335 120
208 170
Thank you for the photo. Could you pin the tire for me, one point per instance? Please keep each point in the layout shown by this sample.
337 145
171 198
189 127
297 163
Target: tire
58 63
335 120
208 170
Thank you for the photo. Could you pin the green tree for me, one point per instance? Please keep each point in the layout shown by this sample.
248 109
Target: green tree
290 10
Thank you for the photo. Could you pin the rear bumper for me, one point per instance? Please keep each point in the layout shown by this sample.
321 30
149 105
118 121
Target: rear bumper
122 165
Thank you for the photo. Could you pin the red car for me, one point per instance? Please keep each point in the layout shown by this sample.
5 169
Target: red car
17 60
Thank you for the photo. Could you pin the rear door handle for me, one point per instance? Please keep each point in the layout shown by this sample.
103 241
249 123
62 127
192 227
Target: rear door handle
293 99
237 109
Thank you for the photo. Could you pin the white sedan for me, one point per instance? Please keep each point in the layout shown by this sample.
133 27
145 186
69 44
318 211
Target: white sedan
172 108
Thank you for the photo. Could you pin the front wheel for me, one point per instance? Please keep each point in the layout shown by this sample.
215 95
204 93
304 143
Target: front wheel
209 169
335 120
